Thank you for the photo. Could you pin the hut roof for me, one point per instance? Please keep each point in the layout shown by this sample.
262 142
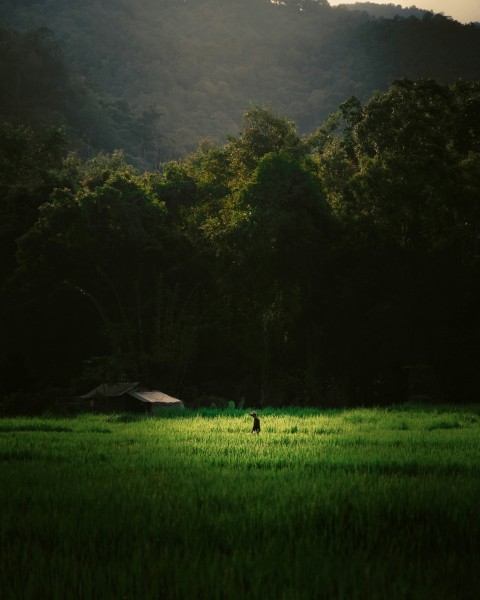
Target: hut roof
134 390
155 397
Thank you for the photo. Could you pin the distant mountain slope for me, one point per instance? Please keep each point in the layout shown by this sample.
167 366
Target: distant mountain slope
39 90
185 70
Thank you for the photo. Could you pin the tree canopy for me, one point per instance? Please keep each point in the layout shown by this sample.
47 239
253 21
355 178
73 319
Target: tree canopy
330 269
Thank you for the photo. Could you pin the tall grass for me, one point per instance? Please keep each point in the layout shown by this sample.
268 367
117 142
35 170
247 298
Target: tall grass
364 503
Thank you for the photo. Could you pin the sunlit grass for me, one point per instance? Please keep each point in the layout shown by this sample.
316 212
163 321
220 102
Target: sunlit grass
366 503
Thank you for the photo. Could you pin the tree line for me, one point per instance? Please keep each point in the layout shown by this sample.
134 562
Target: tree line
332 269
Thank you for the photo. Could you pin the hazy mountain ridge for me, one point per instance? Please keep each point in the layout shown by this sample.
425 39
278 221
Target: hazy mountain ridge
187 70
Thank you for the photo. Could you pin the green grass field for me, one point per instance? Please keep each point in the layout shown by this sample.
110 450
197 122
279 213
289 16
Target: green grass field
364 503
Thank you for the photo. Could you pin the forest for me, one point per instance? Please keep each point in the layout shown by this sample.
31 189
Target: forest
156 77
332 269
233 218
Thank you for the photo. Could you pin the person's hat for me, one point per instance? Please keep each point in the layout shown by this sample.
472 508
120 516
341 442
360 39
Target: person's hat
253 414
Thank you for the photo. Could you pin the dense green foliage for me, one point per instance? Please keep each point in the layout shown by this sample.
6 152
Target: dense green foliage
357 504
154 77
333 269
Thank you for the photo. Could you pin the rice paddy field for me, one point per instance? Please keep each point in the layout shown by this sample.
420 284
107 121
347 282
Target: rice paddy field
364 503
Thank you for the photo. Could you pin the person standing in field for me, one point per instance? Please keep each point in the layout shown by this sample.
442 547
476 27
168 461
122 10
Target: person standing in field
256 422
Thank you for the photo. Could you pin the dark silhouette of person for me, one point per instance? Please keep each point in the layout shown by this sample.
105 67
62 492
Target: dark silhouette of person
256 422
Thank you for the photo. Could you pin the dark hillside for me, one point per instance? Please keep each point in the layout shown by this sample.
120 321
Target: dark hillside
39 90
187 70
